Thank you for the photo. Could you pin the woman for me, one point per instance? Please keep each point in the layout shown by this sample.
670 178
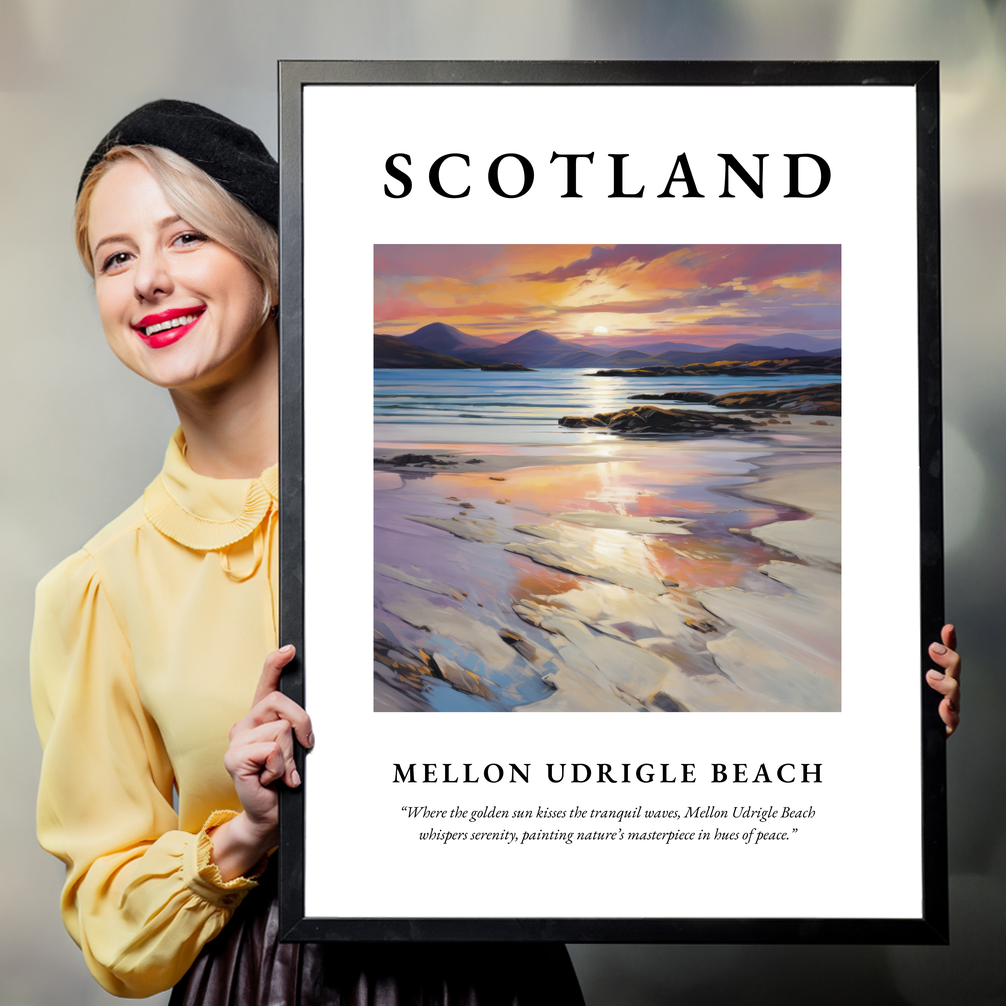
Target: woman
148 643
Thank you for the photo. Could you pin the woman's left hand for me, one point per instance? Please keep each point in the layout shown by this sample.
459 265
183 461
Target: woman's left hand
260 754
947 682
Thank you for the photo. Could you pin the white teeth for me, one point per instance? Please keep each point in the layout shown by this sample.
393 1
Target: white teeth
173 323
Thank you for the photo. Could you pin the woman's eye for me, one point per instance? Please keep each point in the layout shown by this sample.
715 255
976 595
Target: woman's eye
190 238
114 261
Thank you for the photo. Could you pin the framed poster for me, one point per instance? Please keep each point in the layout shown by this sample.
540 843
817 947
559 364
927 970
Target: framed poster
611 391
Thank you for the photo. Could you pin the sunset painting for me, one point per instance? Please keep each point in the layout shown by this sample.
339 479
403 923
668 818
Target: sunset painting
607 478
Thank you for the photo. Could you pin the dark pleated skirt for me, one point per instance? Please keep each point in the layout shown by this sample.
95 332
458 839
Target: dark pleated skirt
246 965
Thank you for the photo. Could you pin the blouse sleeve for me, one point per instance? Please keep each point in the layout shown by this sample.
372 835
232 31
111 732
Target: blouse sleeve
141 898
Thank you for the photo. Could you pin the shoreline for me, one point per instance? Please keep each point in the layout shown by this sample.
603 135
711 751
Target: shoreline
624 574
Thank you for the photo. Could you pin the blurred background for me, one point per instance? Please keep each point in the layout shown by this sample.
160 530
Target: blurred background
83 437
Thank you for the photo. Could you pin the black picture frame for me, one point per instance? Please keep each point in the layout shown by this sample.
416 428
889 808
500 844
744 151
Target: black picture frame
932 925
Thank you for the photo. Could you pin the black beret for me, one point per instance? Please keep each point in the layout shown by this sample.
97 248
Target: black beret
230 154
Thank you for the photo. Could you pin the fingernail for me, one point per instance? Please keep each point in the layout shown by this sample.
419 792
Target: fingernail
938 648
295 777
287 649
936 675
310 740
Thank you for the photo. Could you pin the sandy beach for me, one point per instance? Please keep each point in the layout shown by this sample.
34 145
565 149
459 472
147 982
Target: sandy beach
619 573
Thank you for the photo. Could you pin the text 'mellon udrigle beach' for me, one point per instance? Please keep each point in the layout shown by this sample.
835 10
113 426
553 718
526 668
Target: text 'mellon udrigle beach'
607 478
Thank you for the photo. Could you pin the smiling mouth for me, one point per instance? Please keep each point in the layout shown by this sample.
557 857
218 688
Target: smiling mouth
167 327
167 324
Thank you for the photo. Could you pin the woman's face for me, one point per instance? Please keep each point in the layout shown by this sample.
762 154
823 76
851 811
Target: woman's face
177 308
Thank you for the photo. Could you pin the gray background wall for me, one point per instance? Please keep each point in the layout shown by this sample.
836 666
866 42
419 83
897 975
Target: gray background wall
81 437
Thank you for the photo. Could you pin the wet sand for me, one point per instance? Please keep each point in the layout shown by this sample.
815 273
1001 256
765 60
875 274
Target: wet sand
622 575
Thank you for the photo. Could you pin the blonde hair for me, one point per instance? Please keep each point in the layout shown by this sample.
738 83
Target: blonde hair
199 200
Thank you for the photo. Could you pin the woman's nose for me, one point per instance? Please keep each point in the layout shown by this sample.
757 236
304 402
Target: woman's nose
152 277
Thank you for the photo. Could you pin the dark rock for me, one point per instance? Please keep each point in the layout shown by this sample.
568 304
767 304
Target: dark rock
737 368
581 422
667 704
677 396
669 422
638 372
505 366
700 626
474 461
420 460
822 400
519 643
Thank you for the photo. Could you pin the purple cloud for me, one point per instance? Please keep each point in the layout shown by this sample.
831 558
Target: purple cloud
824 318
603 258
436 260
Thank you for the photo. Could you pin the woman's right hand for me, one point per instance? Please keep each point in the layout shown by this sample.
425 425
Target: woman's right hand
260 753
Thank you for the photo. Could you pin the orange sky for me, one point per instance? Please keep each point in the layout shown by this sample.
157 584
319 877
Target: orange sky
711 294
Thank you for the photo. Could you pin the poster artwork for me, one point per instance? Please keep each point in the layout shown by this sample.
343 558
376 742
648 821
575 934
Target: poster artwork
633 340
607 477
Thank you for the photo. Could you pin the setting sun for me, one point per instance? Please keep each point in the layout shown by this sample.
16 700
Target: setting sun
633 295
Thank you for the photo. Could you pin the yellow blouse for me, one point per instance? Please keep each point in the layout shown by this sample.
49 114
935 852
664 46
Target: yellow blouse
147 647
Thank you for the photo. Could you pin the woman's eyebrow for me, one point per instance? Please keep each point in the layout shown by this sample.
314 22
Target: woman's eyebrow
160 225
109 240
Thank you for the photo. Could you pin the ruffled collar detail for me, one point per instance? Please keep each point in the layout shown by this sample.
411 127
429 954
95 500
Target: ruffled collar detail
203 513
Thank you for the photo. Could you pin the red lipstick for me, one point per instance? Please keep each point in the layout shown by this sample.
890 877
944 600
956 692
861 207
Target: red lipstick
166 326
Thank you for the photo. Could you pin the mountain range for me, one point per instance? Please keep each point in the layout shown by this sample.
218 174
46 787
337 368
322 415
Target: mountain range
433 345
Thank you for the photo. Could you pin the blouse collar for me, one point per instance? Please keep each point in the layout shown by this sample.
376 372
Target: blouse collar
204 513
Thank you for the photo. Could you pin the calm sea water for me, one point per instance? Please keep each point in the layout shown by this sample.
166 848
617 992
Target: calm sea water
473 406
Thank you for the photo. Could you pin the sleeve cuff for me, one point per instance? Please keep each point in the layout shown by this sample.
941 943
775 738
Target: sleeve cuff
202 876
